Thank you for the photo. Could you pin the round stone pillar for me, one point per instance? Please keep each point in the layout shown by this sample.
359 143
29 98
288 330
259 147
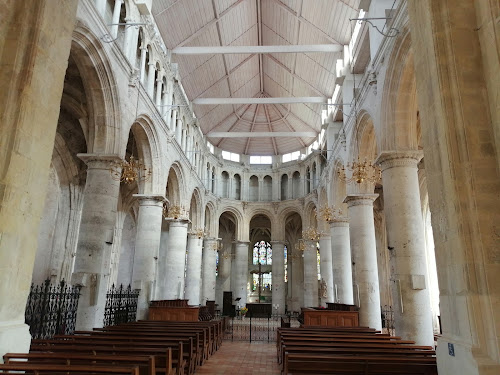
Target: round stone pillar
341 262
95 239
405 235
225 260
147 246
325 253
310 275
193 270
208 270
278 275
241 272
175 259
363 246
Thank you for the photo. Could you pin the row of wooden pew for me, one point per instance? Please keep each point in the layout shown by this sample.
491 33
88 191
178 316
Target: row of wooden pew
350 350
140 348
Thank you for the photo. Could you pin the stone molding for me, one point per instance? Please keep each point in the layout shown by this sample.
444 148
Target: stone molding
178 222
238 242
393 159
325 237
99 161
343 222
150 200
277 242
360 199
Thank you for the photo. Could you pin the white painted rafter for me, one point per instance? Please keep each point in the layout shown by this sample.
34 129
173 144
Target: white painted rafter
289 48
293 134
277 100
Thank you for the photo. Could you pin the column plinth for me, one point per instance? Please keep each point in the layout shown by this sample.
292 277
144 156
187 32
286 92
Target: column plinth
193 271
175 259
405 235
147 245
341 262
95 239
278 277
310 275
208 269
364 251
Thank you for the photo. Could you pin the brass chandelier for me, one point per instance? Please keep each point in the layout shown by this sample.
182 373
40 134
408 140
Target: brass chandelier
361 172
300 245
174 212
311 234
130 171
198 232
329 214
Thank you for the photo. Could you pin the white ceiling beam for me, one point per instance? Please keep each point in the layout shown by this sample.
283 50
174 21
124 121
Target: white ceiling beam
290 48
282 100
260 134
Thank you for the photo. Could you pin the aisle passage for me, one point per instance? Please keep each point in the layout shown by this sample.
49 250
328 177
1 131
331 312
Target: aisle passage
242 358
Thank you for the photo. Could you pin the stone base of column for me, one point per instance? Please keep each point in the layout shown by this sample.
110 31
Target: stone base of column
14 338
144 298
92 302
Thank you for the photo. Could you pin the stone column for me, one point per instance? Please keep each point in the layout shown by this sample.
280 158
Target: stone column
278 270
225 260
147 247
175 259
130 32
26 144
159 89
178 132
241 272
193 271
167 102
310 275
208 269
174 122
150 85
325 253
95 239
116 18
341 262
143 64
362 238
405 235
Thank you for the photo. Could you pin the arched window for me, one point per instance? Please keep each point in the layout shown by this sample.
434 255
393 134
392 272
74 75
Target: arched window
262 253
286 264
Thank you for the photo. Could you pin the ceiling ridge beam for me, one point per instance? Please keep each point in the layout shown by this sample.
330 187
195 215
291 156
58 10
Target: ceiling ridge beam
270 130
286 48
251 128
276 100
291 134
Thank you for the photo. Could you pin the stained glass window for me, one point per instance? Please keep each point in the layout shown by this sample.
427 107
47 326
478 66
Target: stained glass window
262 253
217 264
267 281
286 265
319 260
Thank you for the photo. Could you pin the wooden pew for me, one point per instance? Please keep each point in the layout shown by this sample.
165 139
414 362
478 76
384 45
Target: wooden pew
66 369
303 364
146 364
119 348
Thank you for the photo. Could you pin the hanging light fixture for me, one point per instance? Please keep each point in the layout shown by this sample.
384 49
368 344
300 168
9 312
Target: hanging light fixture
198 232
130 171
362 172
300 245
311 234
329 214
174 212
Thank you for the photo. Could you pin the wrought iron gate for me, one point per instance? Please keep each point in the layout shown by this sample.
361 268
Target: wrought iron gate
121 305
51 309
247 328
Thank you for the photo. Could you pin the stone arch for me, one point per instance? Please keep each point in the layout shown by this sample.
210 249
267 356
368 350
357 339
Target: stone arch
259 220
210 221
399 105
195 209
238 221
309 219
100 87
175 187
149 151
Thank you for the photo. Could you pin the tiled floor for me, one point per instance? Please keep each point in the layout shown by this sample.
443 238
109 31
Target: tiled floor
242 358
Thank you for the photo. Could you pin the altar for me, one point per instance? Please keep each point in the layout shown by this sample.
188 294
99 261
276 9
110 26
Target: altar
259 310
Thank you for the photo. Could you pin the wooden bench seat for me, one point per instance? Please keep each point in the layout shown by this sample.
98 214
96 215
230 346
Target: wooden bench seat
302 364
52 369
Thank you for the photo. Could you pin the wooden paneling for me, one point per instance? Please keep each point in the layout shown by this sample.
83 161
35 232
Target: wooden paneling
330 318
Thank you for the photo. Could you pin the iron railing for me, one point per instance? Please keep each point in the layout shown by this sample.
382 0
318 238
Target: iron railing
248 328
51 309
121 305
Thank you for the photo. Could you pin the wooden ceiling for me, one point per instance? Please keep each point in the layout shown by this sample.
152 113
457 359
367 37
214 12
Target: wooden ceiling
191 23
